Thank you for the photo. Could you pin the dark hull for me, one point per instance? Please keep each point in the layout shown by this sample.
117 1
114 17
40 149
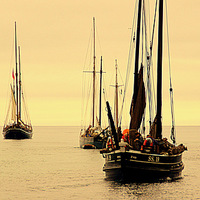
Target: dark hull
135 165
96 142
17 133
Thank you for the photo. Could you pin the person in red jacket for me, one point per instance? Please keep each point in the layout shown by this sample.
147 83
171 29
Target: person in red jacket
148 143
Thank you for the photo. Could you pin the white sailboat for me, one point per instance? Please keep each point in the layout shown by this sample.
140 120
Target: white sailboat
93 136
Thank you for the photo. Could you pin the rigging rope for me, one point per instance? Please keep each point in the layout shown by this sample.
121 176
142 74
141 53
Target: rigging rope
87 100
88 58
26 113
132 42
151 48
119 117
147 64
154 25
173 137
150 81
7 115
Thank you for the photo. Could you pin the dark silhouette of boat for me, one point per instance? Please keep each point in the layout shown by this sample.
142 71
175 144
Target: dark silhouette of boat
14 126
149 157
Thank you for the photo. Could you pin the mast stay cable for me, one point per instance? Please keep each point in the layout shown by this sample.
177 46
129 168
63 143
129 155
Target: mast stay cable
173 136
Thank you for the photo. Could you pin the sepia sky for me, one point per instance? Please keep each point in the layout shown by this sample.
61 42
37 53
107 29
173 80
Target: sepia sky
54 35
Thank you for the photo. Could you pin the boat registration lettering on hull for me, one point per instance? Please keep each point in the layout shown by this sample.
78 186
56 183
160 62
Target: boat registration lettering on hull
153 159
111 158
133 157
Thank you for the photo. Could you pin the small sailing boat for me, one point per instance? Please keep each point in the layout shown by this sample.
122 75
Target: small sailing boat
93 136
15 127
151 157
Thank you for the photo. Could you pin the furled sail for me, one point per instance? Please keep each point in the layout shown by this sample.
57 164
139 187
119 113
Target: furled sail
153 129
137 107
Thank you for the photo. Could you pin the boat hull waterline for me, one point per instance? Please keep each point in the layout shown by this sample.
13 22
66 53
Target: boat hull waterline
17 133
135 165
87 141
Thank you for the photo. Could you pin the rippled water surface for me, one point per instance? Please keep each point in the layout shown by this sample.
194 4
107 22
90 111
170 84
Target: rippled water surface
52 166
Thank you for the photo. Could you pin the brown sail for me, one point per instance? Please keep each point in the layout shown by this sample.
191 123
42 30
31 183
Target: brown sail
153 129
137 107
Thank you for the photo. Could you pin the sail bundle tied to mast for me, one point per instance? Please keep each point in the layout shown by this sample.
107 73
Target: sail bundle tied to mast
137 106
153 129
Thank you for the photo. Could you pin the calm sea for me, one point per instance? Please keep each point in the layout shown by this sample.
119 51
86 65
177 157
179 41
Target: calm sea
52 166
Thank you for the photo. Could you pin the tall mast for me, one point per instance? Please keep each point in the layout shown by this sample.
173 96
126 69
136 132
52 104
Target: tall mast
17 97
159 73
116 98
94 73
20 86
100 92
137 51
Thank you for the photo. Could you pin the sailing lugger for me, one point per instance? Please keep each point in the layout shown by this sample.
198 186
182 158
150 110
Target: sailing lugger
137 157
